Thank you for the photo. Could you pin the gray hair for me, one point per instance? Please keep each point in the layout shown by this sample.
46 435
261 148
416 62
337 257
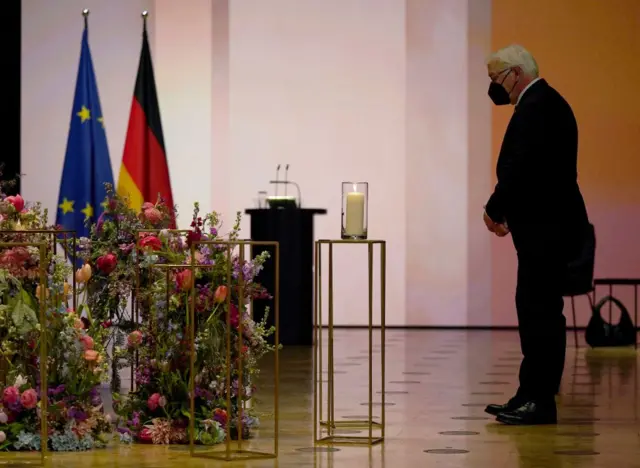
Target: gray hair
514 56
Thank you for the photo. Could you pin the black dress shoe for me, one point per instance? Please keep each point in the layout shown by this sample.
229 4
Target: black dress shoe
495 410
529 414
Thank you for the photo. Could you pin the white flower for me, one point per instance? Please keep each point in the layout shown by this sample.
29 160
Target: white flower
20 381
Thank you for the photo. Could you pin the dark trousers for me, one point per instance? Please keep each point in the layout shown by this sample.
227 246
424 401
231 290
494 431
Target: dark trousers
541 324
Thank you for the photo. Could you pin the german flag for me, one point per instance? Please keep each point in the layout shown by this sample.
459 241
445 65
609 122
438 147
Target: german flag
144 174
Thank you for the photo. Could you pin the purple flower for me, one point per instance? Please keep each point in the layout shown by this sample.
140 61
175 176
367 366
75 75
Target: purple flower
248 271
56 391
204 394
206 255
100 222
126 248
77 414
15 407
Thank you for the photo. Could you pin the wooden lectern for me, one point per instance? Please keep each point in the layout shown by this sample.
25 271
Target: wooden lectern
293 229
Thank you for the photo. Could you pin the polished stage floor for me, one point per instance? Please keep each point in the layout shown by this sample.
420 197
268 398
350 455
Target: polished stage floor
438 383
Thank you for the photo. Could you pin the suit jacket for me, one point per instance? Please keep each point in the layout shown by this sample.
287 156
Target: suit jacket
537 193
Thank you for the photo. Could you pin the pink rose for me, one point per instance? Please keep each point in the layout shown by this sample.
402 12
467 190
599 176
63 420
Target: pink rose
150 242
154 401
17 201
3 437
10 395
3 417
134 339
152 215
87 342
147 206
29 398
107 263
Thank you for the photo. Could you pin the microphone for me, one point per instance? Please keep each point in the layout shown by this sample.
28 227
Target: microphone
277 178
286 172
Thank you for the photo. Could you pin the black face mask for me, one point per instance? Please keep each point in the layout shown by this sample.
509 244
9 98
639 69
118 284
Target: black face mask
498 94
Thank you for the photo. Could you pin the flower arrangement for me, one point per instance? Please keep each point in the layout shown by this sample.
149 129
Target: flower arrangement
157 411
109 277
90 345
76 360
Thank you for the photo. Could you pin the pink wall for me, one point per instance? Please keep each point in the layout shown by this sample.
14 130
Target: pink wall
447 157
578 63
337 89
388 91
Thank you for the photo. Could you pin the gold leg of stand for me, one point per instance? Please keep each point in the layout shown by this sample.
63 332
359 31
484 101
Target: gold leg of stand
370 370
383 312
329 424
331 363
315 342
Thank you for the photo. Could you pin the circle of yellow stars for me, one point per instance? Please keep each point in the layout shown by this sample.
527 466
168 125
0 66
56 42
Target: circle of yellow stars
67 206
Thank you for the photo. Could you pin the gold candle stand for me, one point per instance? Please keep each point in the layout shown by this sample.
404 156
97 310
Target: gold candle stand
327 423
19 458
232 451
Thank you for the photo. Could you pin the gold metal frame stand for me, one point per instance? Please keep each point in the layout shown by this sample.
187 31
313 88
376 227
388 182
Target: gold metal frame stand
237 452
22 458
326 423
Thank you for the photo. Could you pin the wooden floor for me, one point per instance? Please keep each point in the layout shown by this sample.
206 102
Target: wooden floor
438 383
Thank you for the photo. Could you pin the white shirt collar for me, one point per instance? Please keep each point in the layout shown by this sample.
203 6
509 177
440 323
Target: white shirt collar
525 90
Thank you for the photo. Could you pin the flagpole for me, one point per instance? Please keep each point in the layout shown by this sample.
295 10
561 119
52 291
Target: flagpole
85 13
145 15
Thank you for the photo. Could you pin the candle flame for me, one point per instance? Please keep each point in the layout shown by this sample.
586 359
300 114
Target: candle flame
354 188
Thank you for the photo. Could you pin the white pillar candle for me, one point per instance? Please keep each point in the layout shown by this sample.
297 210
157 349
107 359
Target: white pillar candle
354 214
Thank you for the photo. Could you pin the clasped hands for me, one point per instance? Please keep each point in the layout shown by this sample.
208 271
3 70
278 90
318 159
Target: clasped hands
499 229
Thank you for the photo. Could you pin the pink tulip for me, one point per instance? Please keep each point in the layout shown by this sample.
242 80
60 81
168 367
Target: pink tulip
184 280
221 294
17 201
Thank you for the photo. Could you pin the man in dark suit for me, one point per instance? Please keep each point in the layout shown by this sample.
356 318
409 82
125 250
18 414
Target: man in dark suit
537 200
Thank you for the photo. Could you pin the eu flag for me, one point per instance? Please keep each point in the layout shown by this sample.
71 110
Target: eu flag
87 166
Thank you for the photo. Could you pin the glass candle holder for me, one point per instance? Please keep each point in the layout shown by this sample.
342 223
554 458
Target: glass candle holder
355 207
